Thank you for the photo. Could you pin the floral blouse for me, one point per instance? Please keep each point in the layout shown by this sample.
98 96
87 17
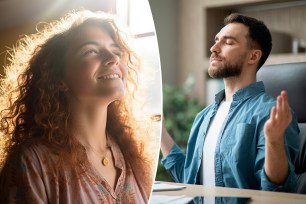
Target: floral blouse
32 175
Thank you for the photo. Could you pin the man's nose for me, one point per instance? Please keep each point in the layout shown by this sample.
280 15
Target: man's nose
215 48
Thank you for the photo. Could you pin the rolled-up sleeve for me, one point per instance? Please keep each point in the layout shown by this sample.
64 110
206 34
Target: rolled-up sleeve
291 145
289 185
174 162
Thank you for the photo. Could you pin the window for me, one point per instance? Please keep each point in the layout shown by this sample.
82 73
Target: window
136 14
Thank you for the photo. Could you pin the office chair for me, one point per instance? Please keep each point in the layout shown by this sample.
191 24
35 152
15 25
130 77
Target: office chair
292 78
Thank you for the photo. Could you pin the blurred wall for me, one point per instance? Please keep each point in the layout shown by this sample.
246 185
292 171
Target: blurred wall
198 21
165 20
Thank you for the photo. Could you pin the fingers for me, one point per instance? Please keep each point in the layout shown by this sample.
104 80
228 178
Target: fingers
281 103
279 106
284 101
283 112
273 115
280 118
284 95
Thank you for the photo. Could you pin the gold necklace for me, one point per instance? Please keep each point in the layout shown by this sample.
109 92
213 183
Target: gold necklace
104 159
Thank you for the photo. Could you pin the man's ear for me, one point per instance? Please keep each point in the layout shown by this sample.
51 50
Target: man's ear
255 56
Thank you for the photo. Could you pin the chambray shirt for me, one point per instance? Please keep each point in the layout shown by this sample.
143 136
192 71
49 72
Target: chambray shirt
240 149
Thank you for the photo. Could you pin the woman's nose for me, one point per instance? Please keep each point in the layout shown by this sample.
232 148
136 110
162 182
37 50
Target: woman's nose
110 58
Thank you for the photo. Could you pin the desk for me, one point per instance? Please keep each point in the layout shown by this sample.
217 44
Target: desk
257 197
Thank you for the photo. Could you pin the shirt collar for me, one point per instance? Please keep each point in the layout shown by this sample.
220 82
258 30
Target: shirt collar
244 93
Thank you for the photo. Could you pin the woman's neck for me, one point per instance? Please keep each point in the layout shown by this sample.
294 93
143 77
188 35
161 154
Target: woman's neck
89 125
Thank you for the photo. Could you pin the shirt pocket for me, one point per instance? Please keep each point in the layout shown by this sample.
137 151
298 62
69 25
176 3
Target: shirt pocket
241 143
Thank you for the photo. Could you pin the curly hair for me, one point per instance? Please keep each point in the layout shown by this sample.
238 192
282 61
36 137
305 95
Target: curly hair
34 106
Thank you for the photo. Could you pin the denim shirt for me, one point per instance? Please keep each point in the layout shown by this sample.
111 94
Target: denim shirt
240 149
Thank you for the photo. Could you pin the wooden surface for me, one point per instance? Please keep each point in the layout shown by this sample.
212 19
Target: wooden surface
255 195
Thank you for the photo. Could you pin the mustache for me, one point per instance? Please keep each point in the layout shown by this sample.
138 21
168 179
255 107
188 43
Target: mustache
215 56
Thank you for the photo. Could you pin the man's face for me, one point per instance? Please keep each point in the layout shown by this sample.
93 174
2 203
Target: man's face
229 51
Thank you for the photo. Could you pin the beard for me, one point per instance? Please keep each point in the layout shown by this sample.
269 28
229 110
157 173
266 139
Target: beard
226 70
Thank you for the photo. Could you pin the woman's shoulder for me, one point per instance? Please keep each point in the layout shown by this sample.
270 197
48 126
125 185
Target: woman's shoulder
30 168
31 154
39 149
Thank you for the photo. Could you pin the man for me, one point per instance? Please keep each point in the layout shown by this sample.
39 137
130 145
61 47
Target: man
246 139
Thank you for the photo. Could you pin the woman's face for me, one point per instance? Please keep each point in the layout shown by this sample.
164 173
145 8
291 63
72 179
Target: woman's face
94 70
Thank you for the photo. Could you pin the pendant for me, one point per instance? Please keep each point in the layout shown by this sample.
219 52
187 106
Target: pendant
105 161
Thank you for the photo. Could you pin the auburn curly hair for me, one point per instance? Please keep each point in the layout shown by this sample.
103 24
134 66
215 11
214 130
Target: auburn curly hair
35 107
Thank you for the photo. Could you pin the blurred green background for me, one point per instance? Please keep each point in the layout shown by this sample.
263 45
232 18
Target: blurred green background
180 109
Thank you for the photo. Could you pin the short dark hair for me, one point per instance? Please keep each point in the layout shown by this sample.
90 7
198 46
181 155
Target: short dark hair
259 34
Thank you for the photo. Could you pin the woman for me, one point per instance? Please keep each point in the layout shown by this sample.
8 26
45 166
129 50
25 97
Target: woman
68 130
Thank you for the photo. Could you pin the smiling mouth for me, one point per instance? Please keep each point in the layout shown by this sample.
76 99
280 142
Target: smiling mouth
215 59
110 77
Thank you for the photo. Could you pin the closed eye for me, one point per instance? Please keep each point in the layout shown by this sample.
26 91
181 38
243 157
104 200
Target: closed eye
90 52
229 42
118 54
116 51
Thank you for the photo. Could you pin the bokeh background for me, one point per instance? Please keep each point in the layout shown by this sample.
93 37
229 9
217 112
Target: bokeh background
186 30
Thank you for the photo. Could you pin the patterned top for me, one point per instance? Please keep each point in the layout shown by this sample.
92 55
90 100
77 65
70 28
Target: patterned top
32 175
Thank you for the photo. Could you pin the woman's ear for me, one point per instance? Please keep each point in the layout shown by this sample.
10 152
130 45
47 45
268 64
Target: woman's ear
255 56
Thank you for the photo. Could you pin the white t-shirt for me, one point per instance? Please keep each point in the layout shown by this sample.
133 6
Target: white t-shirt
208 162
